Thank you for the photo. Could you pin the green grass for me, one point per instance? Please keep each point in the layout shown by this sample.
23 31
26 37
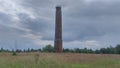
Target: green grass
63 60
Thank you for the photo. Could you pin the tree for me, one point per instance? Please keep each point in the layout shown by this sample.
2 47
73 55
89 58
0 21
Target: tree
111 50
77 50
66 50
48 48
117 49
97 51
103 50
1 50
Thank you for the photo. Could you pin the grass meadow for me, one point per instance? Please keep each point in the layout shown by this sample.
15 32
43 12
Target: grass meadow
59 60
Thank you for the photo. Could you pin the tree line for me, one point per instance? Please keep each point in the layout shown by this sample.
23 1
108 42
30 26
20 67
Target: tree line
49 48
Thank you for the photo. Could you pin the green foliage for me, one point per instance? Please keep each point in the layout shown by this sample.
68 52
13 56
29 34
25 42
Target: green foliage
77 50
3 50
14 53
97 51
18 50
108 50
48 48
118 49
66 50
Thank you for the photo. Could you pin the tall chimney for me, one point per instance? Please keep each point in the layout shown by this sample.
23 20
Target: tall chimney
58 30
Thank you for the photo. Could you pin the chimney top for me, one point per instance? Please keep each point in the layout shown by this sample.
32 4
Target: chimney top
58 6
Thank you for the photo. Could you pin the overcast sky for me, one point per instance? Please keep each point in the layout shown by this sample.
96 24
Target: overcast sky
86 23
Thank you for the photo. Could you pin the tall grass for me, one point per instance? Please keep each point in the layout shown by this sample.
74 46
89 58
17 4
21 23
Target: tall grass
63 60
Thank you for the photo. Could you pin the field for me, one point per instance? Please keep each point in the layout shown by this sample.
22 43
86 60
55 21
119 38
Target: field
56 60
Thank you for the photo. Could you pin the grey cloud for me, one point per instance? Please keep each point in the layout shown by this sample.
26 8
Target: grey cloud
32 24
37 25
36 3
94 20
95 9
4 18
83 20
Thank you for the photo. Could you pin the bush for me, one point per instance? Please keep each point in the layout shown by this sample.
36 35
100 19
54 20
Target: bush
48 48
14 53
